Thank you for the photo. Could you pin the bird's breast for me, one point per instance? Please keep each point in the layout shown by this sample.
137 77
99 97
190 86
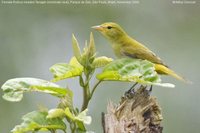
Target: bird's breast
117 49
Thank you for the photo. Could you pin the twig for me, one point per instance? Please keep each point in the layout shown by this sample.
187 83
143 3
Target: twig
94 88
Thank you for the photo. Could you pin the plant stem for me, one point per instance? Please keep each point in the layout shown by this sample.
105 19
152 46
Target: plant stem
86 92
85 97
72 126
94 88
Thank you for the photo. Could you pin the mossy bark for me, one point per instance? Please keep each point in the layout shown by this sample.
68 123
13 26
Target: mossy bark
137 113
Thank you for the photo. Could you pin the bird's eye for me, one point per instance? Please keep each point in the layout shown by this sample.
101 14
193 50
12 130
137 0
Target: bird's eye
109 27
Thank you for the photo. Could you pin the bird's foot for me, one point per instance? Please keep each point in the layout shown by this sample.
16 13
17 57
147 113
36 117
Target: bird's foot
131 91
150 90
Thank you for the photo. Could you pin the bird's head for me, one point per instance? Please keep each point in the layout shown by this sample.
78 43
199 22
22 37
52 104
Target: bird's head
110 30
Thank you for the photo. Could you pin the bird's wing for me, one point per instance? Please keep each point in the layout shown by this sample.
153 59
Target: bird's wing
141 53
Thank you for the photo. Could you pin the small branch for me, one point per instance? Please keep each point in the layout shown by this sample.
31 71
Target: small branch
85 98
72 127
139 113
86 92
94 88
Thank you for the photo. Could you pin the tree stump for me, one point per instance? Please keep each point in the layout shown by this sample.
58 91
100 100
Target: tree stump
137 113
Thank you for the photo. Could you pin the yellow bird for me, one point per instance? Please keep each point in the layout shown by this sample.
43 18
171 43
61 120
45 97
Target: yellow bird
125 46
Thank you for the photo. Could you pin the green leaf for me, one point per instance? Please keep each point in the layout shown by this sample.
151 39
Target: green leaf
101 61
74 62
76 48
91 49
79 119
88 54
127 69
14 88
62 70
37 121
55 113
69 114
81 127
84 118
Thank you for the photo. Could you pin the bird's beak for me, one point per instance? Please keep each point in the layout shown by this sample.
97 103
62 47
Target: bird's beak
98 27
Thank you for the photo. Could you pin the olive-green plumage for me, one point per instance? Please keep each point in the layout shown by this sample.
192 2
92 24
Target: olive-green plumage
125 46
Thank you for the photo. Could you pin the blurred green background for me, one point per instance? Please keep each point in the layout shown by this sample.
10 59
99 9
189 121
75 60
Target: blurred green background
34 37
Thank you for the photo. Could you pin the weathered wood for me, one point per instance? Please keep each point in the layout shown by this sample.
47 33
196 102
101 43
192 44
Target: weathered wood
137 113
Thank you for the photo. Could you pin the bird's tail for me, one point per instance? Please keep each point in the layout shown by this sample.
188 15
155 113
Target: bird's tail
165 70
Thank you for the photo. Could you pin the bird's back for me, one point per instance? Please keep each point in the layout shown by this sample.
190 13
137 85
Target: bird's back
133 49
